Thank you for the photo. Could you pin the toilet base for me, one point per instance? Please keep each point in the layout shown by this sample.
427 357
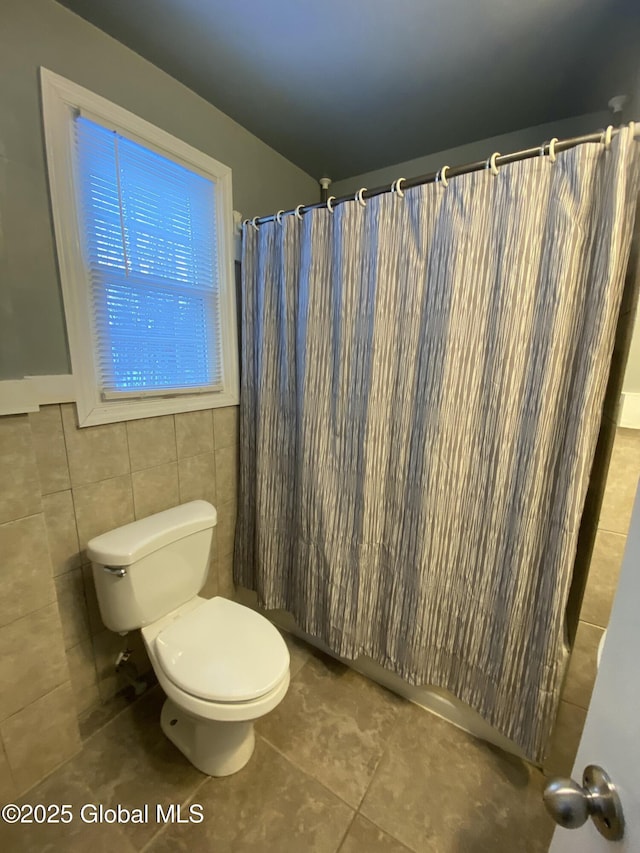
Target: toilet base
215 748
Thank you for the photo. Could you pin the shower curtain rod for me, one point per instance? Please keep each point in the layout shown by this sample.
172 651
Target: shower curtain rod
452 172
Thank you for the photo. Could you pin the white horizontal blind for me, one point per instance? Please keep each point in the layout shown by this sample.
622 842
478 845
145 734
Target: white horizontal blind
149 236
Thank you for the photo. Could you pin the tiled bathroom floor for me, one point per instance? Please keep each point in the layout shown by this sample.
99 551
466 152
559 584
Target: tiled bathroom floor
341 765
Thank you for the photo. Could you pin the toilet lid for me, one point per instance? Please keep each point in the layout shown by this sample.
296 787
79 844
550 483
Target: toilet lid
223 652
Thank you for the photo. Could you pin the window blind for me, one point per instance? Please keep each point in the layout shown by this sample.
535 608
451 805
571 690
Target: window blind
149 237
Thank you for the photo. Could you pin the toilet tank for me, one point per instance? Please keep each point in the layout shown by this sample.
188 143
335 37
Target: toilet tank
146 569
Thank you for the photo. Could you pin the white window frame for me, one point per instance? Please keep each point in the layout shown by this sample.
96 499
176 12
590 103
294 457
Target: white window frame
61 101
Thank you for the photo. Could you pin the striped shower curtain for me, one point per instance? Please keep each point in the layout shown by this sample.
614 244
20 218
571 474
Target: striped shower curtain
422 387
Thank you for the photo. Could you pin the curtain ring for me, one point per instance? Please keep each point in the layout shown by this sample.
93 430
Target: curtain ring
330 201
395 187
552 150
245 222
491 162
279 217
297 212
441 176
542 147
358 197
607 137
253 223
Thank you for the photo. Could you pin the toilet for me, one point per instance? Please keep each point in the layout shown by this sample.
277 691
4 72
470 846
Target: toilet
221 665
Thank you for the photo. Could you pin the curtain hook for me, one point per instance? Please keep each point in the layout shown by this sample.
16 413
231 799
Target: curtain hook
552 150
607 137
491 162
395 187
253 223
279 217
297 212
358 197
441 176
245 222
542 147
330 201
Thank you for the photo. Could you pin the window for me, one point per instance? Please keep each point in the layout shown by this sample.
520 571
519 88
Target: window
144 234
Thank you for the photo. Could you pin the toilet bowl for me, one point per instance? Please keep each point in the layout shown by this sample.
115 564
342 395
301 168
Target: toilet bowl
220 664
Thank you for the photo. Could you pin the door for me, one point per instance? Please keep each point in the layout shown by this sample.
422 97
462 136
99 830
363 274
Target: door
611 736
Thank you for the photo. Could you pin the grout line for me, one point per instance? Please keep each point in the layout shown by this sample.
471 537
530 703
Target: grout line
616 532
164 827
143 468
23 517
573 704
3 750
194 455
346 832
215 472
54 577
290 761
50 773
175 439
94 660
66 446
130 473
102 479
386 831
75 527
387 746
57 491
592 624
126 438
52 603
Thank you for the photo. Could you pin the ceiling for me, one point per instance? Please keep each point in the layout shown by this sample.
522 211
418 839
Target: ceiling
341 87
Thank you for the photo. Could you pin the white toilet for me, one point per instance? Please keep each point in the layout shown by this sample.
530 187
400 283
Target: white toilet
221 664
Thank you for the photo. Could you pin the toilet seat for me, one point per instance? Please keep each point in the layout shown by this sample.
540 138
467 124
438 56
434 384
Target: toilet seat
222 652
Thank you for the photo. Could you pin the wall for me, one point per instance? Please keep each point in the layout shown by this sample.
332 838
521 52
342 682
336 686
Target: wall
60 487
64 485
528 137
632 376
613 525
38 727
36 33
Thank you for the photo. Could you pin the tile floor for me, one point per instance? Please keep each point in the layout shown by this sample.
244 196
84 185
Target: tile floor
341 765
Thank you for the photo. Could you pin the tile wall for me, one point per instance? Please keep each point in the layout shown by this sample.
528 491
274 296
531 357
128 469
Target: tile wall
60 486
613 525
38 725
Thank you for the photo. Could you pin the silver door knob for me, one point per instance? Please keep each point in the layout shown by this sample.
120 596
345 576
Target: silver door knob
570 804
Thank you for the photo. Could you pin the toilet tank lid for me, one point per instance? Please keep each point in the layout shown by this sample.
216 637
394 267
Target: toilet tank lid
125 545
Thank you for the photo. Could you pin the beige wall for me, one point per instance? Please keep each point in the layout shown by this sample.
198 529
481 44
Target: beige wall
611 538
632 375
38 727
60 487
36 33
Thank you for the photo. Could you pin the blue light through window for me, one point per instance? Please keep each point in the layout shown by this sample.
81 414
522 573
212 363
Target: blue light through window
149 236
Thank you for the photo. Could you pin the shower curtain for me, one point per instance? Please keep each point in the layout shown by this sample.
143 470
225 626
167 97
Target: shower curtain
421 396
